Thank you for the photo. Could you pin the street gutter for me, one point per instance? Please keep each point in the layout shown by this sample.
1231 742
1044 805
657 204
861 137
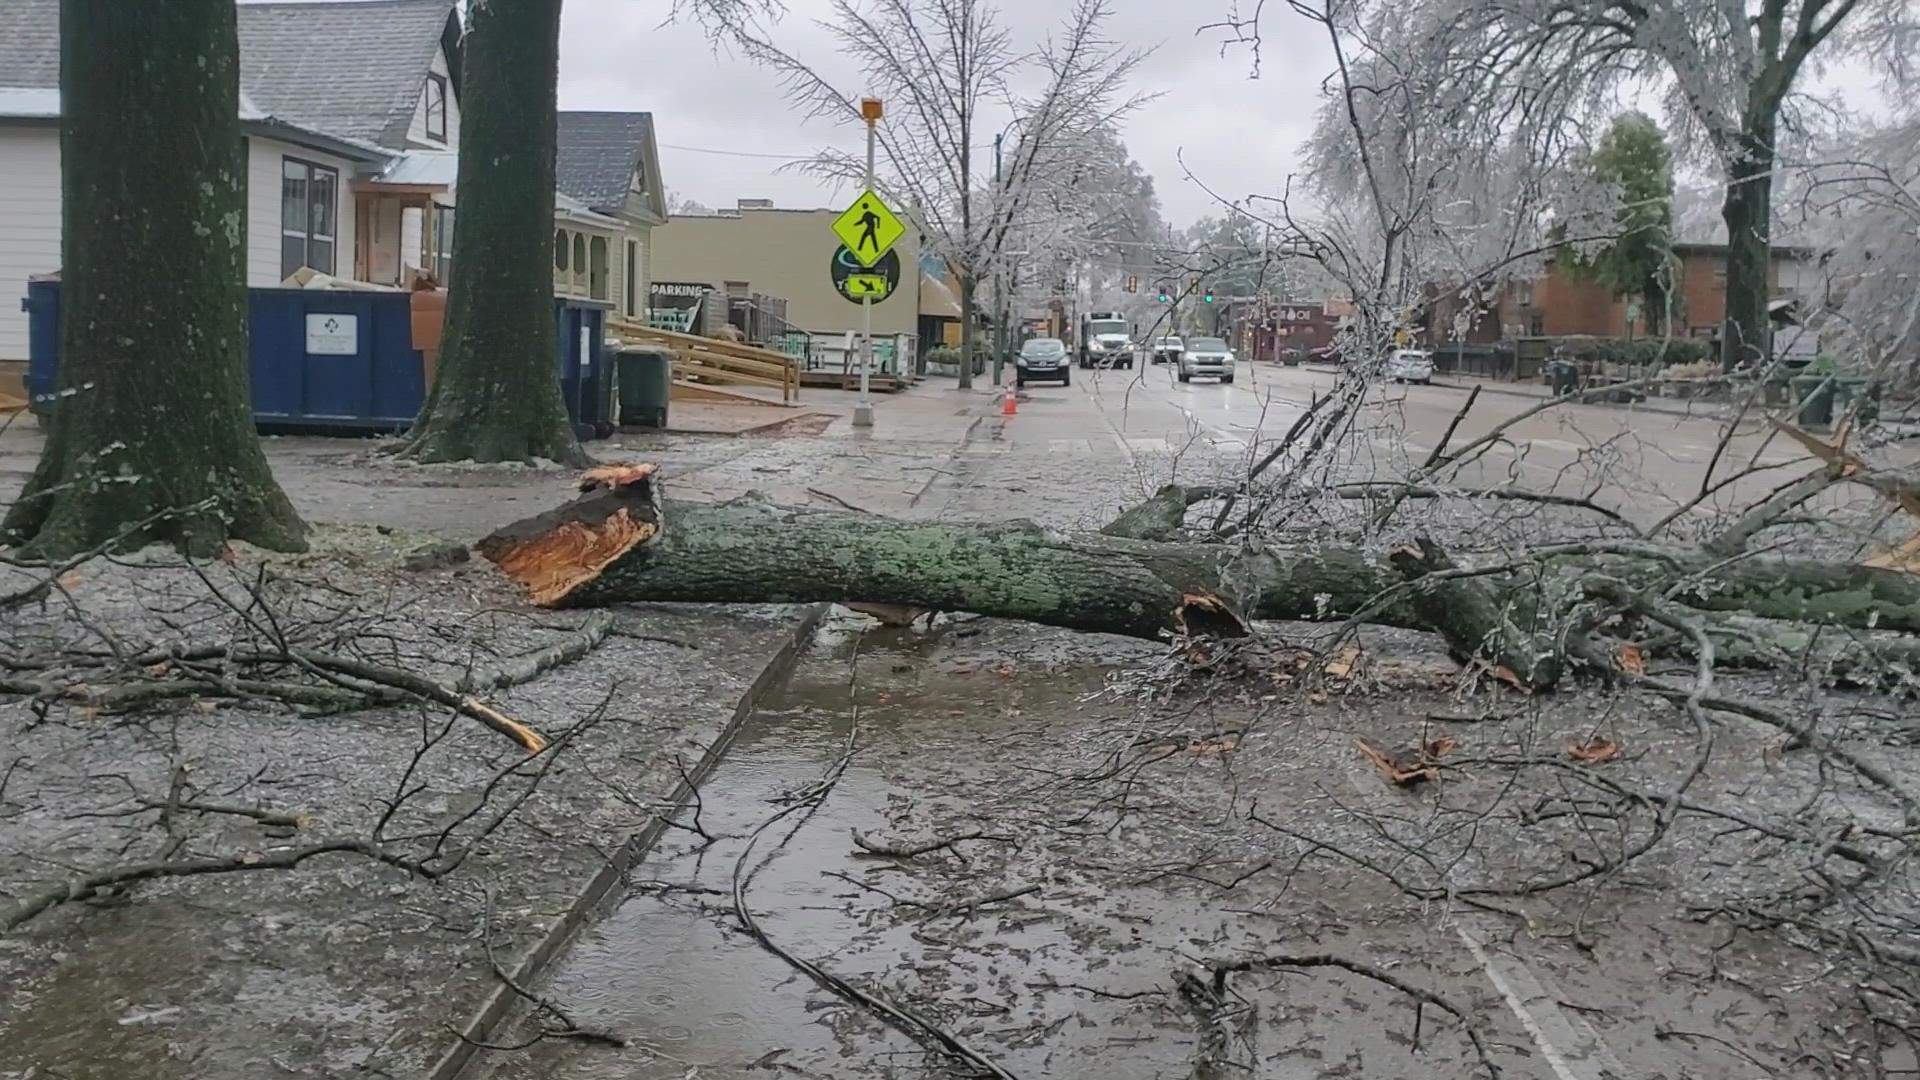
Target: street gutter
602 889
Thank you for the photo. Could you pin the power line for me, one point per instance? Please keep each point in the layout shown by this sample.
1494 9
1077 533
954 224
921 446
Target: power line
736 153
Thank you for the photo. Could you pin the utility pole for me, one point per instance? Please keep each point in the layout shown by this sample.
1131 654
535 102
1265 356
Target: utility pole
999 277
871 111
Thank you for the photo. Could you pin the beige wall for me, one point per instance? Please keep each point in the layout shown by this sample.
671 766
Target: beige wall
785 253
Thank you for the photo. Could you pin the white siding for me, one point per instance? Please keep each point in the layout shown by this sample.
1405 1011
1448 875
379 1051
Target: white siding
413 232
30 217
417 131
29 223
264 158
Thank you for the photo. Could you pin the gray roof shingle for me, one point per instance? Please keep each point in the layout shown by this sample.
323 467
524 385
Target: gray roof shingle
596 154
30 43
353 69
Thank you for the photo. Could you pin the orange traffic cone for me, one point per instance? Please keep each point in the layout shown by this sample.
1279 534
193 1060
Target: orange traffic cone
1008 406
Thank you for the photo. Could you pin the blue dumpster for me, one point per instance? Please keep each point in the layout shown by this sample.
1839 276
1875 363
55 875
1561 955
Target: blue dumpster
586 377
42 305
333 359
342 361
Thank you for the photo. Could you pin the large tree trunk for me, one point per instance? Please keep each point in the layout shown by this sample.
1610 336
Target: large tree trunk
619 542
153 439
1748 213
497 395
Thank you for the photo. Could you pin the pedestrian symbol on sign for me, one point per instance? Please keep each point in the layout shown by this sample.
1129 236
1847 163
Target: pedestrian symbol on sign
868 229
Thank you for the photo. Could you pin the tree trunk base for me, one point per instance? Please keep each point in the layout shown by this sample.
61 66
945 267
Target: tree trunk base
70 507
447 437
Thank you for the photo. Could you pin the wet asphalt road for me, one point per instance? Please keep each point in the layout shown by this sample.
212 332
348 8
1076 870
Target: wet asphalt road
1564 449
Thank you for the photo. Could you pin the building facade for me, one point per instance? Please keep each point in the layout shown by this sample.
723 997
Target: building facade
351 114
757 248
1558 303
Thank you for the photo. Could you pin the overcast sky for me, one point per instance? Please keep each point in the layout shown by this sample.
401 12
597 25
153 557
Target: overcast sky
1234 134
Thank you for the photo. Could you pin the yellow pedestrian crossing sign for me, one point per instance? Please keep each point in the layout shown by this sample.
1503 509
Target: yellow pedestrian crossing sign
868 229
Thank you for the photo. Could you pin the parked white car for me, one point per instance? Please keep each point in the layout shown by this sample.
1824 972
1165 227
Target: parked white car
1206 356
1410 365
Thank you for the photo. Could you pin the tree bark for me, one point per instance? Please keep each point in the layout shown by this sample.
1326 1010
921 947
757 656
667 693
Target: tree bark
1748 213
497 395
967 308
620 543
153 440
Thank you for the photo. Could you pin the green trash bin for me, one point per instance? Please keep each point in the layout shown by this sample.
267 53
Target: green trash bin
1813 399
1862 395
1563 376
645 378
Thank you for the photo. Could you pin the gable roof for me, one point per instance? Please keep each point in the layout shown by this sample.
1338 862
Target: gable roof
596 154
351 69
30 44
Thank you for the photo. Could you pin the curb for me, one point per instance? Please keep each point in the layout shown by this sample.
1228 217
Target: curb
1511 390
604 884
1507 390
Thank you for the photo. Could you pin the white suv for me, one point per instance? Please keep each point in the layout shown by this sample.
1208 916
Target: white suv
1206 356
1410 365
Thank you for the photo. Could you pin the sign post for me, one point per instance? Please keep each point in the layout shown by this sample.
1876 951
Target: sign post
872 218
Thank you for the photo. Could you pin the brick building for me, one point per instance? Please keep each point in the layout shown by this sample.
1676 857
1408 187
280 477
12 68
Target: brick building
1558 303
1263 329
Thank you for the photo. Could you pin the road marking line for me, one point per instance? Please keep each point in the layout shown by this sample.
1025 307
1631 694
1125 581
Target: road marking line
1544 1021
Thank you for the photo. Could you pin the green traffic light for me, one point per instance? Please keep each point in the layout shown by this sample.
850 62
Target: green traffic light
1209 297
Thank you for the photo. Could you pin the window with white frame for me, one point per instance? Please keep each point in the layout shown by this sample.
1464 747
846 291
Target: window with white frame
309 202
437 106
597 269
631 293
443 243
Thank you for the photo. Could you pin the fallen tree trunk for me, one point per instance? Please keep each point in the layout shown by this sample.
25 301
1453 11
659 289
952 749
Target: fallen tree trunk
619 542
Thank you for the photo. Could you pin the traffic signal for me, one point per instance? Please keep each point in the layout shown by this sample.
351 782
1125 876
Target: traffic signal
1163 294
1208 297
1133 283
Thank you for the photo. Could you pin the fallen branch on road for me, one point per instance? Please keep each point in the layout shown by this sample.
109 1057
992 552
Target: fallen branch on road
86 885
914 851
592 552
1219 974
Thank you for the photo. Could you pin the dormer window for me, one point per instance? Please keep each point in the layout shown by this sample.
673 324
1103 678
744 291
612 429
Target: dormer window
437 107
639 180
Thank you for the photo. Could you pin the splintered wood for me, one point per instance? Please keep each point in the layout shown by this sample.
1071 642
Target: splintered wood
1902 490
1204 613
556 553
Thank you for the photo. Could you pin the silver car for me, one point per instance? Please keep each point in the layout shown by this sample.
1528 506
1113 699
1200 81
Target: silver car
1206 356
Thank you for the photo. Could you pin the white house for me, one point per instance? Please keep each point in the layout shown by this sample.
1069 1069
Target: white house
351 113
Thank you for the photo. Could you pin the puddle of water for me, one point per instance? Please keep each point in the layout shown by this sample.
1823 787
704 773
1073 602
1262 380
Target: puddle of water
992 728
1069 980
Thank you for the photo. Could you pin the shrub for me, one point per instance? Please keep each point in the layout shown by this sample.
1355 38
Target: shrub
948 356
1639 352
1703 369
